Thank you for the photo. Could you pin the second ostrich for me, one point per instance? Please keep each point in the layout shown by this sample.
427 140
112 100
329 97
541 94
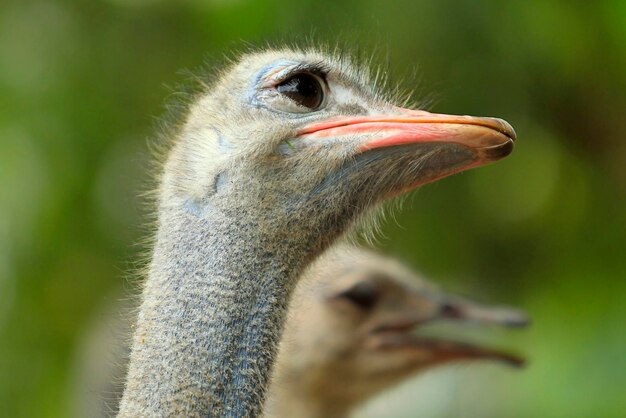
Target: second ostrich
275 161
355 328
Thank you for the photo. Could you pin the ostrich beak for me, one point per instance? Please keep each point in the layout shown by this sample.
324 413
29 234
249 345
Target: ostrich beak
403 332
488 139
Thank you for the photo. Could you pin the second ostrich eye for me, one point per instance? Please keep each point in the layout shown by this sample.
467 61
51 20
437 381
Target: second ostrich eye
363 295
305 89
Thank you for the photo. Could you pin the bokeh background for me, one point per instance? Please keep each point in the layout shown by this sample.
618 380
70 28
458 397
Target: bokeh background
83 81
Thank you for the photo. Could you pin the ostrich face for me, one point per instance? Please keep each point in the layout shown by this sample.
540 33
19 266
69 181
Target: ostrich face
361 330
291 128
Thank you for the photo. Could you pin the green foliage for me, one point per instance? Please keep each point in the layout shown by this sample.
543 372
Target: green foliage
82 81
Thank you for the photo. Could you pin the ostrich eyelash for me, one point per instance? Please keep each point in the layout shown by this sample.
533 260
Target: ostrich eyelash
319 69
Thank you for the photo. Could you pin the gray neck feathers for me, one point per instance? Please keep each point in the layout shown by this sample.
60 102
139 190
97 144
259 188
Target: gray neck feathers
211 317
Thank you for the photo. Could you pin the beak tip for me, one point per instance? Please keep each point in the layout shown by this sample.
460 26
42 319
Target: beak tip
507 129
520 319
517 362
520 323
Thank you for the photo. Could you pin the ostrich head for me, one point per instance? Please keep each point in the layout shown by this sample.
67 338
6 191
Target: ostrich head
305 137
356 327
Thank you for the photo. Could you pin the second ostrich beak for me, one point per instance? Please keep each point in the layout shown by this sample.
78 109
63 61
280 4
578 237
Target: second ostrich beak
402 332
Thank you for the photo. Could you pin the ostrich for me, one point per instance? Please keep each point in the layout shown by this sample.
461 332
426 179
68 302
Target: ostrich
350 334
272 163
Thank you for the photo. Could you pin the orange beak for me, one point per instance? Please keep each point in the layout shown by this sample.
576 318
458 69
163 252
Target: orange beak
490 139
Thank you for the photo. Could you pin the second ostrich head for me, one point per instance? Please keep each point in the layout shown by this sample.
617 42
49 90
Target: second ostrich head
358 325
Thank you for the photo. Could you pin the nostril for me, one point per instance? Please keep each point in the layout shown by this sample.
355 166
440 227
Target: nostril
448 310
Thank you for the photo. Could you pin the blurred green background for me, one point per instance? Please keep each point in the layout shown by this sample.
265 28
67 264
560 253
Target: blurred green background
82 83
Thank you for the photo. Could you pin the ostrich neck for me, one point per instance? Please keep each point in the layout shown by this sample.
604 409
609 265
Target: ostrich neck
211 316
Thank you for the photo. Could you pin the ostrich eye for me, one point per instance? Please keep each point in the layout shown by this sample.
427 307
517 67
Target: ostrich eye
305 89
363 294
